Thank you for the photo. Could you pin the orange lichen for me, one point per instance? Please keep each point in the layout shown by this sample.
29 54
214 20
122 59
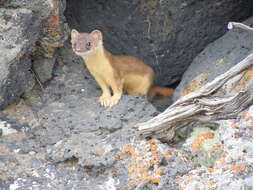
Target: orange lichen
237 168
128 149
143 170
187 181
235 125
212 182
210 170
195 84
156 180
154 142
145 178
159 172
248 118
87 161
244 113
215 148
153 147
200 140
120 156
221 161
237 135
135 155
168 154
155 161
245 80
248 74
142 166
156 154
133 176
12 164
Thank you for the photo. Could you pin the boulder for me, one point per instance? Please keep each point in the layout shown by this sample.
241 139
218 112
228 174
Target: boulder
18 32
216 59
23 26
225 155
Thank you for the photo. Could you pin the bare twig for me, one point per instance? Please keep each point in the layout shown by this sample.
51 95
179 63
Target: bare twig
38 80
232 25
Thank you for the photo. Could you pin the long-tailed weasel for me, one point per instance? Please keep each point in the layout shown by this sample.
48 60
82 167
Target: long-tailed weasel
120 73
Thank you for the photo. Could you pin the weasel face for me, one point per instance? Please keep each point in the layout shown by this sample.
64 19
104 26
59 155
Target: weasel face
85 43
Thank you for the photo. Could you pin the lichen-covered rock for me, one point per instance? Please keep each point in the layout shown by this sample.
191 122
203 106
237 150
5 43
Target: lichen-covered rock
216 59
17 34
167 34
204 141
53 35
233 168
21 24
66 135
69 136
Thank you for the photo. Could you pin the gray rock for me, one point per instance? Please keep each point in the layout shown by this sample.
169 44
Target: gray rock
44 68
69 105
79 138
15 75
53 35
233 168
217 58
20 28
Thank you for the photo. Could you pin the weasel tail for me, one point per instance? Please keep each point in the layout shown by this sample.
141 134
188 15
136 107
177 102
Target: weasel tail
159 90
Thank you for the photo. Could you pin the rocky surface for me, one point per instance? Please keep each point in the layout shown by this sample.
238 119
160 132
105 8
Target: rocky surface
21 25
216 59
229 148
15 75
53 35
60 137
165 34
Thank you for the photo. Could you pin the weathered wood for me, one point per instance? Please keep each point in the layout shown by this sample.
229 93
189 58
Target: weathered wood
232 25
213 102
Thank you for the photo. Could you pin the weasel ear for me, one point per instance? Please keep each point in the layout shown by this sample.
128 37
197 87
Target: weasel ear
97 35
74 33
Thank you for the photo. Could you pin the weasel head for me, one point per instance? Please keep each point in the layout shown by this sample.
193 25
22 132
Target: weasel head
84 44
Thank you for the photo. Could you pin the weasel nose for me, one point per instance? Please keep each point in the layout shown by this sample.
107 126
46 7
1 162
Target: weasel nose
78 49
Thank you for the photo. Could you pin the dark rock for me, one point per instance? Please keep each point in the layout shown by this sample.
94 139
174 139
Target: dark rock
15 75
35 163
53 35
217 58
166 34
44 68
22 24
66 111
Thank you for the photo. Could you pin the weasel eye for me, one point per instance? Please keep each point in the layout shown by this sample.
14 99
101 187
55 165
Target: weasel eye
88 44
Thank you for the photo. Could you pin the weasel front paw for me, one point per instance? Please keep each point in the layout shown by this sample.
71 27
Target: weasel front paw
104 100
109 101
114 100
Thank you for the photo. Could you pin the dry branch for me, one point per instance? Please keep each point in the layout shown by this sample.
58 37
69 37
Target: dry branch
223 98
232 25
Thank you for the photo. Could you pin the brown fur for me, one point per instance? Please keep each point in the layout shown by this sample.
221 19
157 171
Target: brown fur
118 73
